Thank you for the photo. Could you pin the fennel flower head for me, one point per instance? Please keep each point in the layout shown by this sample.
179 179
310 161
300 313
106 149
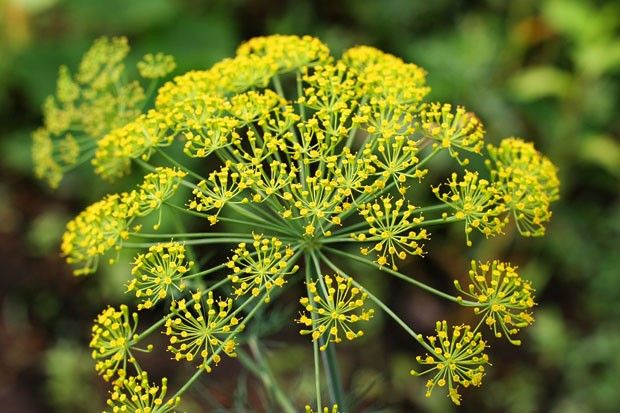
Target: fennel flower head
297 163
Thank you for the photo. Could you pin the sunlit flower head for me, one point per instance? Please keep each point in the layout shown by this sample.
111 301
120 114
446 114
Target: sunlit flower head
457 359
100 227
262 267
202 329
527 183
136 394
500 296
473 200
332 309
392 231
113 337
159 273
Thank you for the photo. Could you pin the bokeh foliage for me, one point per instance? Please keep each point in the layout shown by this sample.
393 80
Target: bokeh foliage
547 70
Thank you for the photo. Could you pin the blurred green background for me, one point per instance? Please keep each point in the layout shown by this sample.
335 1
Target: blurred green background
546 70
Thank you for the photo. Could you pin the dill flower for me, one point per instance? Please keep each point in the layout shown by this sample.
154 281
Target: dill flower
391 229
156 188
266 268
113 337
135 140
86 106
333 309
386 78
474 200
219 189
456 359
137 395
157 65
202 329
500 296
160 271
286 53
100 227
304 154
45 165
452 130
527 183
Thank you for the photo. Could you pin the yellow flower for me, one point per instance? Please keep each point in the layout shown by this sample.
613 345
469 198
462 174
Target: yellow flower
156 188
137 139
113 337
100 227
334 409
203 329
500 296
265 268
86 107
160 270
155 66
137 395
452 130
391 230
332 309
456 359
527 183
474 201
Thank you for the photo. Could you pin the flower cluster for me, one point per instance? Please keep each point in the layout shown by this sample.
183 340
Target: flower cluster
474 201
136 394
158 273
289 157
527 183
113 337
88 105
456 358
107 223
500 296
202 329
391 229
261 271
333 310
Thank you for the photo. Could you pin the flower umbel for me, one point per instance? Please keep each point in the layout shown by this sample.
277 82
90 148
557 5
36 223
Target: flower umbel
158 273
527 183
113 337
474 200
202 329
500 296
332 309
391 230
293 157
264 269
456 359
137 395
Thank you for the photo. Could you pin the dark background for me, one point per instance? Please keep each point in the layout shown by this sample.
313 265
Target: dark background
546 70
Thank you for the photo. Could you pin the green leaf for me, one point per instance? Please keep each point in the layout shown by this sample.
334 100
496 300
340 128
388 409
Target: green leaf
540 82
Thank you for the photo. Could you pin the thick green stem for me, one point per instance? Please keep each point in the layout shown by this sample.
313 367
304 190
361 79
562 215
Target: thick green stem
262 371
329 358
315 343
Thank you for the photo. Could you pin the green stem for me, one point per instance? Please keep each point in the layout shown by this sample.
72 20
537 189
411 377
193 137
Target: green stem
382 305
204 241
315 343
263 372
396 274
329 360
178 165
